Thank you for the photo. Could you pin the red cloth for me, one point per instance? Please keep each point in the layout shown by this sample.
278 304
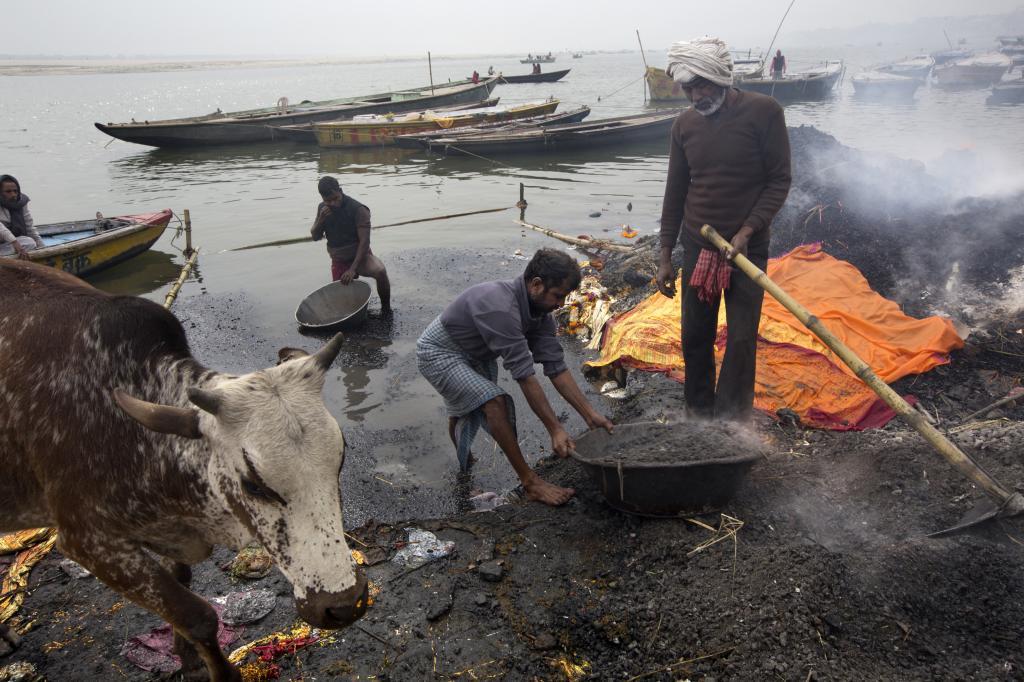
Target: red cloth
710 275
338 268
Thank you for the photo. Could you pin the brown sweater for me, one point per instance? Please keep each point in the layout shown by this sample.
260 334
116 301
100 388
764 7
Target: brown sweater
728 170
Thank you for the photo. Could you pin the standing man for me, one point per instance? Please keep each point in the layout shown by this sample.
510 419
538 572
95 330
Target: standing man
510 319
346 223
18 234
778 65
729 167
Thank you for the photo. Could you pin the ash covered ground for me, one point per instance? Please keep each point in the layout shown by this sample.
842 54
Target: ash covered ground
820 569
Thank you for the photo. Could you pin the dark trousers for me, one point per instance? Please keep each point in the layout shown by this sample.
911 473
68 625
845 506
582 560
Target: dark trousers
733 397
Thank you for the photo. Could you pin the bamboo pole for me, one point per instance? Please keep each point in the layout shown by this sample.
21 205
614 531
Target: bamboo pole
589 243
173 293
968 467
430 70
188 234
646 67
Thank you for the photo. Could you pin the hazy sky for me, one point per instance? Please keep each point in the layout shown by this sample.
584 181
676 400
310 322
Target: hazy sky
352 29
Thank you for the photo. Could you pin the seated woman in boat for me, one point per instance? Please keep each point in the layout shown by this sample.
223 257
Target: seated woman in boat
18 233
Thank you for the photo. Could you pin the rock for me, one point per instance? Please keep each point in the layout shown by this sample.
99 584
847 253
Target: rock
248 606
545 641
439 606
480 599
491 571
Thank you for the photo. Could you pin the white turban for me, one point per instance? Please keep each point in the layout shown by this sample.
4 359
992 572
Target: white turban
705 57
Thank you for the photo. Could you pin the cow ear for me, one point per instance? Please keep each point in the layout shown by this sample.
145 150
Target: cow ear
286 354
178 421
325 356
205 399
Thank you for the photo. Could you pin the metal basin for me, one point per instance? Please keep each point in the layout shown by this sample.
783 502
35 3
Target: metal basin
659 489
335 306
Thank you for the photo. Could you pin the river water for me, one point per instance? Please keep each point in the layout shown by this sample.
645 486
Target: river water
240 303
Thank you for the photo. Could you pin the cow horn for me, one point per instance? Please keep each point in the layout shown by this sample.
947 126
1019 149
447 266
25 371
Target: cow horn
178 421
205 400
325 356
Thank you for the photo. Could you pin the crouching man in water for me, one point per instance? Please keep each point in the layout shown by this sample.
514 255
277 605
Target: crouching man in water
510 319
346 223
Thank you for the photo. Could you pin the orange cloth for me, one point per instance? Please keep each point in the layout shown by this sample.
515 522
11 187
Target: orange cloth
794 368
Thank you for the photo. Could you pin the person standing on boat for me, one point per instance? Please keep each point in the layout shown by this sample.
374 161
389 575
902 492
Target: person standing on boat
346 224
729 167
510 319
18 234
778 65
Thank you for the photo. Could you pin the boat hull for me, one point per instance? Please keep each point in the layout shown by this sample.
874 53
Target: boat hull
549 77
260 128
89 255
423 140
888 90
969 76
818 86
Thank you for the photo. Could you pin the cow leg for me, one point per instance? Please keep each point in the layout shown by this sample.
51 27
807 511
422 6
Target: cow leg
131 572
192 666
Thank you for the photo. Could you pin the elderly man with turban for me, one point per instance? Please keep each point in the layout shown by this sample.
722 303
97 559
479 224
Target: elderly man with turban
729 167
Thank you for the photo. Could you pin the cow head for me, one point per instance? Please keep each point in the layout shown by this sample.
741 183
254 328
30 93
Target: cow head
275 459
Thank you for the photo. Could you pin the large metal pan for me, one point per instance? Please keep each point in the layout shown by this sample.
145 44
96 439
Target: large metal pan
335 306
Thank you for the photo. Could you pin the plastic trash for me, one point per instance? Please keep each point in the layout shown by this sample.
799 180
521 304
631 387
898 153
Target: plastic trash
422 547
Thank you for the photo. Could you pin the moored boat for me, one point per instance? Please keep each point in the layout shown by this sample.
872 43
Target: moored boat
254 125
883 85
950 55
1008 91
84 247
979 71
538 59
423 139
379 130
549 77
914 67
605 132
807 85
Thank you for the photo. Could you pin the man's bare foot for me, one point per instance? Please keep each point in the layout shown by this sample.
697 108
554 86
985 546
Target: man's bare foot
540 490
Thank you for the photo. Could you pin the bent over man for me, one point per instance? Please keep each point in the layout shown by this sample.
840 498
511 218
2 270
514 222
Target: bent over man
346 223
18 234
729 167
510 319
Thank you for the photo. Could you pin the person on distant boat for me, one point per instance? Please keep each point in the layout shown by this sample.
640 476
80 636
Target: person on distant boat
729 167
536 68
18 234
778 65
490 70
507 319
476 77
346 224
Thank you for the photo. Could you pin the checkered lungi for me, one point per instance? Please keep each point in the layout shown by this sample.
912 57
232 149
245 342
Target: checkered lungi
464 383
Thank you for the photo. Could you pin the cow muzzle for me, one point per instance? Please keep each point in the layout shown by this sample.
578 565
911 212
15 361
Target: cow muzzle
332 610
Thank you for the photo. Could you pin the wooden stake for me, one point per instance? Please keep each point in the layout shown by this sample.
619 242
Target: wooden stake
188 234
430 70
173 293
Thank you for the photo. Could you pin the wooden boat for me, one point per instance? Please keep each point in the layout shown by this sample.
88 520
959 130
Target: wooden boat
378 130
549 77
808 85
620 130
538 59
254 125
883 85
950 55
303 132
423 139
979 71
1008 91
577 55
914 67
84 247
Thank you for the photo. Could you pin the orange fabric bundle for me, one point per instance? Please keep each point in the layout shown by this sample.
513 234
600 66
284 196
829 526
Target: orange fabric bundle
794 369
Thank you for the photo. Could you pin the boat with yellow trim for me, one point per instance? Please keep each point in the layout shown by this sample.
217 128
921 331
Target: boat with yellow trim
379 129
84 247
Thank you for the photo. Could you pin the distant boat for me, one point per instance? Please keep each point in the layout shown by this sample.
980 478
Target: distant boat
809 85
610 131
943 56
979 71
378 130
1008 91
549 77
538 59
577 55
882 85
419 140
254 125
84 247
915 67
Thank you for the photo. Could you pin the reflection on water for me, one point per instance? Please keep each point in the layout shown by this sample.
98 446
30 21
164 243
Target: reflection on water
150 271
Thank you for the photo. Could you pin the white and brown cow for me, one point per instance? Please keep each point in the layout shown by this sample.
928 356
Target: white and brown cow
100 436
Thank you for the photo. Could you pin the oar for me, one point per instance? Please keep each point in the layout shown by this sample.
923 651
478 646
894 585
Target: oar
1007 502
299 240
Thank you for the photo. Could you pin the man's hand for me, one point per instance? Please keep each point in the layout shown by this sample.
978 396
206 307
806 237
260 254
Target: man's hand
562 443
21 251
347 276
666 277
323 213
739 242
599 421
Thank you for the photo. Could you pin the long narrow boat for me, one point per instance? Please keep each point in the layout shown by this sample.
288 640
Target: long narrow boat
303 132
379 130
422 140
549 77
610 131
254 125
979 71
84 247
808 85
